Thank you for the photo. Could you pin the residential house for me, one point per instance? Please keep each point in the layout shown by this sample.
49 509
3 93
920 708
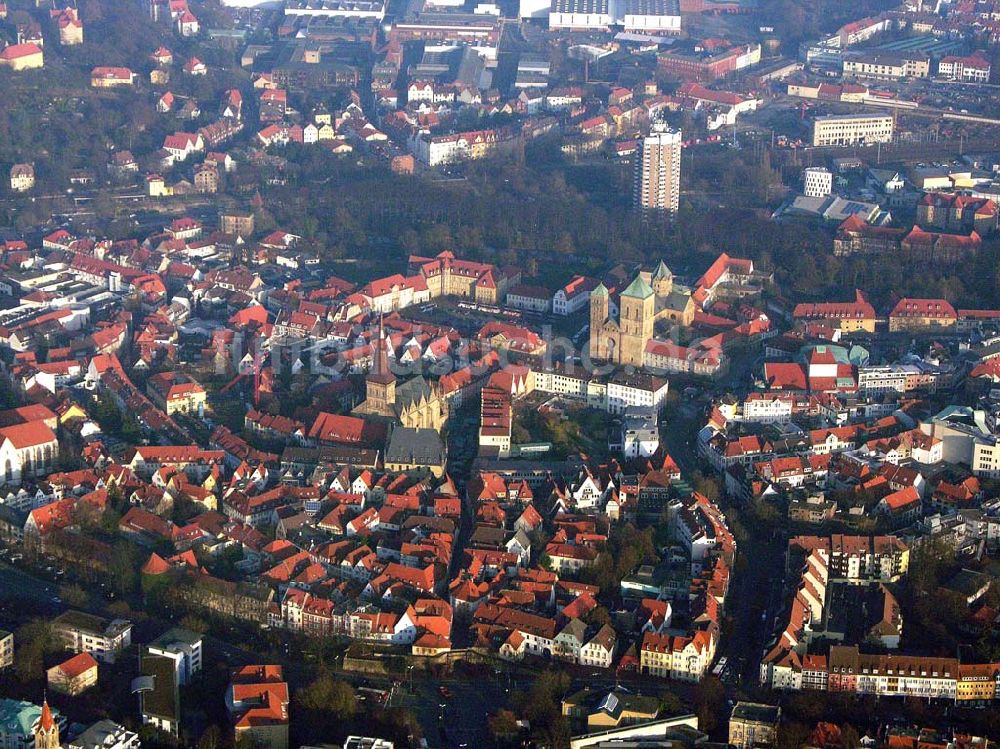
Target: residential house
257 700
82 632
73 676
111 77
22 177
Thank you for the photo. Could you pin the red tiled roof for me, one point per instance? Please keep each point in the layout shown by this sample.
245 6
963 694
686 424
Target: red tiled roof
30 434
329 427
77 665
909 307
859 309
17 51
785 375
901 499
111 73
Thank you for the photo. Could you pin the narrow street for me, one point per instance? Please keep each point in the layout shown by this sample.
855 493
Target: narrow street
754 598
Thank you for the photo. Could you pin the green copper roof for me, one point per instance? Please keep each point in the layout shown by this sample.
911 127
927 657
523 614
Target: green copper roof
638 289
19 717
600 290
662 271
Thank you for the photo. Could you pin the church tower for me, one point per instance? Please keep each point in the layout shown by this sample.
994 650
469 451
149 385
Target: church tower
637 315
380 384
598 306
663 280
599 313
46 730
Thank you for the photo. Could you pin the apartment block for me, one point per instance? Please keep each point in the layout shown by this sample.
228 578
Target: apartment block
658 170
103 639
852 129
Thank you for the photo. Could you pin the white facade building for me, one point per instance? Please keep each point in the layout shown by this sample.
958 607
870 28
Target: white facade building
768 408
817 182
640 436
27 451
336 8
574 296
580 14
969 69
660 16
635 391
6 649
852 129
657 183
85 633
106 734
183 648
534 8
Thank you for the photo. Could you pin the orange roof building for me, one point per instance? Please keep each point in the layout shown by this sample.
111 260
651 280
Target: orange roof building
257 700
70 677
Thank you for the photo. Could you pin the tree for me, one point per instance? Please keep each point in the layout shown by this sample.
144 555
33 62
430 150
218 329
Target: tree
327 694
131 431
540 706
121 610
69 457
503 725
708 486
210 738
88 515
710 697
670 704
247 740
402 725
34 640
849 737
597 617
123 568
74 595
792 735
194 623
107 415
115 499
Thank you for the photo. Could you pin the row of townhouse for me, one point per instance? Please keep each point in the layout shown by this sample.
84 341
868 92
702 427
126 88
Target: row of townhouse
682 658
114 382
701 528
876 558
910 445
522 634
904 378
794 470
706 358
874 467
724 451
613 394
315 616
435 150
782 666
779 407
443 275
768 408
846 669
856 560
196 462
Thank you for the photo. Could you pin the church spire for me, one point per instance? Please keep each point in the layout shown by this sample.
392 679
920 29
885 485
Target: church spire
380 372
47 730
46 722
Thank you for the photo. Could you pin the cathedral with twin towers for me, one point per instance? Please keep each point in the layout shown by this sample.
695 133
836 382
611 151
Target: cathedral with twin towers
623 323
